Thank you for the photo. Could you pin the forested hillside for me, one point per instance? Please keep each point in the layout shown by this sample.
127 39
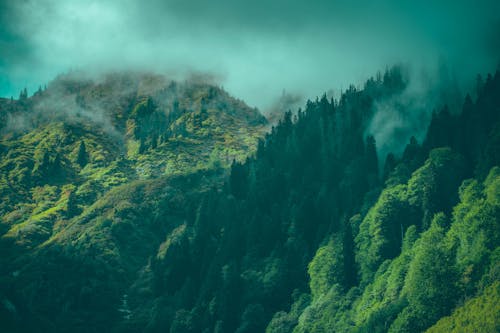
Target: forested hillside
92 148
135 226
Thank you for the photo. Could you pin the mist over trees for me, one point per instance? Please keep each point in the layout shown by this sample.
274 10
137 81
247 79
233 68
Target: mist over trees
313 232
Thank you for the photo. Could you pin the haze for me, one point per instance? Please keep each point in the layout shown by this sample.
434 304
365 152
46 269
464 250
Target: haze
255 49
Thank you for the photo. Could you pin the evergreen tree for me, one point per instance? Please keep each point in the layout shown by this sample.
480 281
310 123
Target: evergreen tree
389 165
82 157
371 161
72 208
238 179
23 95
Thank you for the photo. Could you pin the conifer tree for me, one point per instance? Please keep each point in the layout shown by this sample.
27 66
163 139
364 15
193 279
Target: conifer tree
82 158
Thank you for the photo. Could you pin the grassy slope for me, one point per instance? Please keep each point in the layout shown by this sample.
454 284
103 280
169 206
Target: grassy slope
98 113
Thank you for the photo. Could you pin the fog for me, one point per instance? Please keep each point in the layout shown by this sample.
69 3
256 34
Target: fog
255 49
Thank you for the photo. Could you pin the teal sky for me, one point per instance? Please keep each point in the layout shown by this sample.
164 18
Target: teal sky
255 49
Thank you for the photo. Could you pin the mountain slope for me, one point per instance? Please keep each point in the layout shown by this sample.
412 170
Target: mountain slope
92 136
83 149
311 234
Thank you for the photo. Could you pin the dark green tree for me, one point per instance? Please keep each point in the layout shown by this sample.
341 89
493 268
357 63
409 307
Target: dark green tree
238 179
371 161
23 95
389 165
82 157
72 208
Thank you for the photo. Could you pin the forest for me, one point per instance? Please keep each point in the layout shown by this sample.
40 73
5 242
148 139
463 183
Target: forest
136 204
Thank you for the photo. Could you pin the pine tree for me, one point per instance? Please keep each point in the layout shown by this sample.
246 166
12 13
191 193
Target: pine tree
23 95
371 159
142 146
56 164
238 179
390 164
72 208
350 270
82 158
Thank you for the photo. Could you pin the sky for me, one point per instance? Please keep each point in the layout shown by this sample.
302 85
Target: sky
255 49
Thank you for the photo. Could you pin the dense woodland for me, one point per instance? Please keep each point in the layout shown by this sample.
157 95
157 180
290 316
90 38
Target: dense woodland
314 231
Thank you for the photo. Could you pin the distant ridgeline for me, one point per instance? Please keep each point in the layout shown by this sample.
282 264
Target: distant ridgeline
117 214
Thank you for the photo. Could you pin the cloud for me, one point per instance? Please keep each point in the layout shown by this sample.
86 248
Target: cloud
256 48
58 104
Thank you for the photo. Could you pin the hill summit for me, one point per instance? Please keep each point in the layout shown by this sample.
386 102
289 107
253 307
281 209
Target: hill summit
120 127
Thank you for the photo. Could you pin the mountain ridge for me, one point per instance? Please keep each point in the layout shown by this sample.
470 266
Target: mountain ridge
306 233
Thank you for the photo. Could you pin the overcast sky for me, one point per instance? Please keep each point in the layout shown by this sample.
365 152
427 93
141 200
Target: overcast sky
254 48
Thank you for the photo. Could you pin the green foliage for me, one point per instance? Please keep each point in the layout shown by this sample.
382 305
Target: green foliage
252 319
82 158
474 232
431 282
479 314
398 207
183 323
433 186
380 233
283 322
382 300
179 220
326 268
72 208
327 314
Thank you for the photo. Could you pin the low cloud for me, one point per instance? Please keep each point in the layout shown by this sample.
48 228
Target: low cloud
397 118
255 49
286 102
